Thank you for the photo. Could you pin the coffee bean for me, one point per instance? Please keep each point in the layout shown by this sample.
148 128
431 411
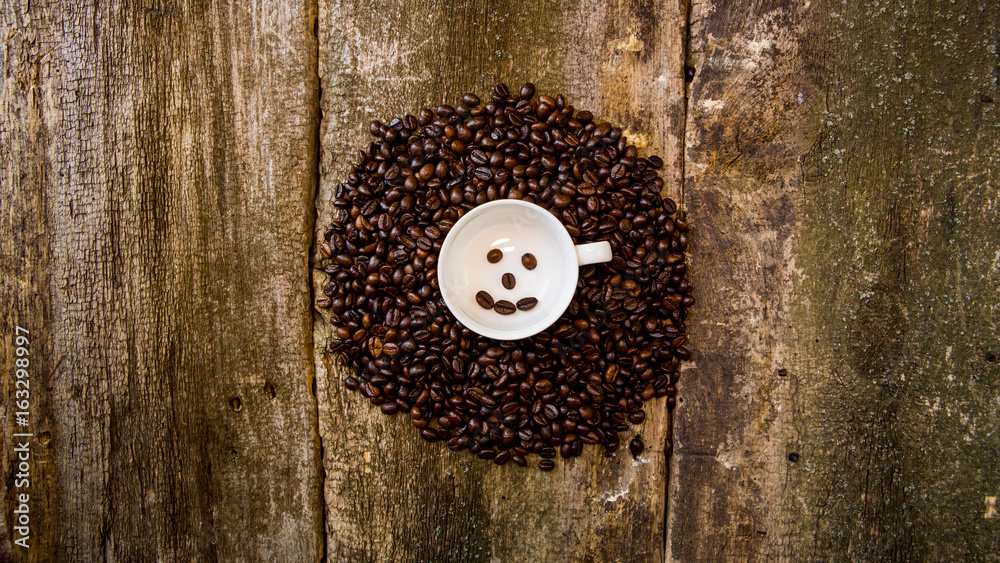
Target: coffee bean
546 465
494 255
476 123
637 417
479 157
504 307
425 173
551 412
583 380
611 373
636 446
508 281
484 299
527 304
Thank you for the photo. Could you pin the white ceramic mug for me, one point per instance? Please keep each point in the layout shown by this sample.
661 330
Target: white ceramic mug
514 228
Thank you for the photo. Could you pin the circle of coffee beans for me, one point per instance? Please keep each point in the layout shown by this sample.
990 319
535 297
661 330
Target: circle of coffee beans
581 381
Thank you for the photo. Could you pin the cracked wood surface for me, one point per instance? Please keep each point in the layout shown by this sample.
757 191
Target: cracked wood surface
158 171
841 183
390 496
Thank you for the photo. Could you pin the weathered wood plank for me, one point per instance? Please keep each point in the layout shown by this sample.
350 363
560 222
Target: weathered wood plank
158 172
746 130
897 349
389 495
841 184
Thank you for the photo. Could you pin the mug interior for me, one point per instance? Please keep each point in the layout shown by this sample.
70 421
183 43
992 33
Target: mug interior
515 228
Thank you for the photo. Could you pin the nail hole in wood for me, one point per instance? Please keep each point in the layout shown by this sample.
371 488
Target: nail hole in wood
236 404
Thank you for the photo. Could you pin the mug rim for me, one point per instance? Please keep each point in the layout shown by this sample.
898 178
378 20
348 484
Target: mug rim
565 295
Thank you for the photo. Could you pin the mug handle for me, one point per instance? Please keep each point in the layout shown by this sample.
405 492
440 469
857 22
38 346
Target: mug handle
593 253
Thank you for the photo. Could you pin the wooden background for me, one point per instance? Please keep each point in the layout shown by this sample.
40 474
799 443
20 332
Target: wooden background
166 166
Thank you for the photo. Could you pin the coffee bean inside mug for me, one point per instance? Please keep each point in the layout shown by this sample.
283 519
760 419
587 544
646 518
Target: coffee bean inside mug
583 380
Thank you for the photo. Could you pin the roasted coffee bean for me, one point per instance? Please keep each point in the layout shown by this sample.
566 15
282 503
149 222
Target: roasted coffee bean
637 417
484 299
582 381
636 446
527 304
504 307
494 256
546 465
508 281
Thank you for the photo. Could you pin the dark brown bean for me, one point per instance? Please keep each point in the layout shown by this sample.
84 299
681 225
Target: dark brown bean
636 446
529 261
527 304
508 281
611 373
484 299
504 307
637 417
494 255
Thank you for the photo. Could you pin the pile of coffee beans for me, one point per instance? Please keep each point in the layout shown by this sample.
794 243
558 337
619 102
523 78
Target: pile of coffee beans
581 381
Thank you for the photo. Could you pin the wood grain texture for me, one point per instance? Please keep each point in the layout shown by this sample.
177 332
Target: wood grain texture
751 110
841 185
389 495
897 324
158 172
